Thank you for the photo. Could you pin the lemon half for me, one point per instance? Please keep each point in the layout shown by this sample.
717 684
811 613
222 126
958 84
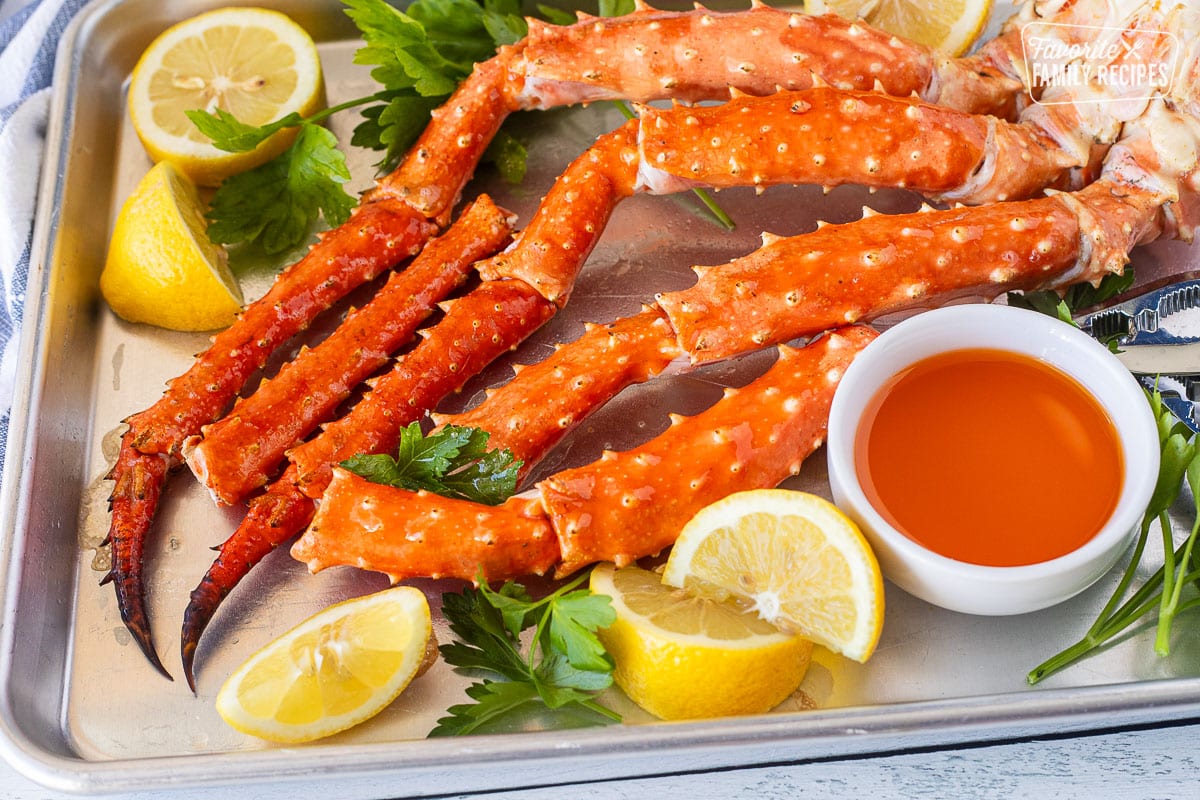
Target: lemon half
794 558
949 26
161 268
336 669
679 656
257 64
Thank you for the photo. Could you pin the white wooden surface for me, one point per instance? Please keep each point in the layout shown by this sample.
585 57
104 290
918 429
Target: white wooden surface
1144 763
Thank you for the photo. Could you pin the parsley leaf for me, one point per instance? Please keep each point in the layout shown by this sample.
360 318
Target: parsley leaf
508 155
564 666
228 134
454 462
279 201
616 8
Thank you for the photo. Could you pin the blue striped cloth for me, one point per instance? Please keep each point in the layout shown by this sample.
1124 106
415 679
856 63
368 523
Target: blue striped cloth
29 34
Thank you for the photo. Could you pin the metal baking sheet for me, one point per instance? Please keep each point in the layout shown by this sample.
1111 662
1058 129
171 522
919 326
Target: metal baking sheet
81 710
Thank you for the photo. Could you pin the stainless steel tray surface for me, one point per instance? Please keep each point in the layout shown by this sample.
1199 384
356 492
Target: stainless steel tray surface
83 711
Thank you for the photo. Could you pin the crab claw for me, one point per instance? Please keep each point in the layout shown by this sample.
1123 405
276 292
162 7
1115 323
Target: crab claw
138 481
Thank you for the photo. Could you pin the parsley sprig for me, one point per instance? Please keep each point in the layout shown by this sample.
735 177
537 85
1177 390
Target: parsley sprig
559 672
453 462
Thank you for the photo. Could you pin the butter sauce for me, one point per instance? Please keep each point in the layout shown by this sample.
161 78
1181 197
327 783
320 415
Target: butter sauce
990 457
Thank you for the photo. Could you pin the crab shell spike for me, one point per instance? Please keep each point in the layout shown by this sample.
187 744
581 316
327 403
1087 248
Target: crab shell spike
822 224
736 93
817 81
769 238
868 212
636 503
642 5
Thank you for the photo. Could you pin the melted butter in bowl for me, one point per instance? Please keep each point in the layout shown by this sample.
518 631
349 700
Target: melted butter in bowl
997 459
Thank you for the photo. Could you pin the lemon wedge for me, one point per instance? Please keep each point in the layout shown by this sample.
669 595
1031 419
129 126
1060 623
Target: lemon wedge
949 26
257 64
679 656
161 268
792 557
336 669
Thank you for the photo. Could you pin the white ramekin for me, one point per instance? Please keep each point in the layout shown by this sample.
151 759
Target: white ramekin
972 588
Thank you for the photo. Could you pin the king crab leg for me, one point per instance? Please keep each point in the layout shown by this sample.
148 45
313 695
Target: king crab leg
690 56
620 508
594 368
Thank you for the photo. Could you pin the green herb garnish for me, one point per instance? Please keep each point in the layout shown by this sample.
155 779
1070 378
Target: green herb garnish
453 462
560 672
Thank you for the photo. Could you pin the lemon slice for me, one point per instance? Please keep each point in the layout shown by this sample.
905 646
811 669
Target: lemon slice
256 64
683 657
950 26
161 267
336 669
794 558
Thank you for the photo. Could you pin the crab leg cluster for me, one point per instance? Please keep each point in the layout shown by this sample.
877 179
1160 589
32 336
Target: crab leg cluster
840 79
630 505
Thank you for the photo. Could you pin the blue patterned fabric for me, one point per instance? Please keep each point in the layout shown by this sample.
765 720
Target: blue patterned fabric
29 34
